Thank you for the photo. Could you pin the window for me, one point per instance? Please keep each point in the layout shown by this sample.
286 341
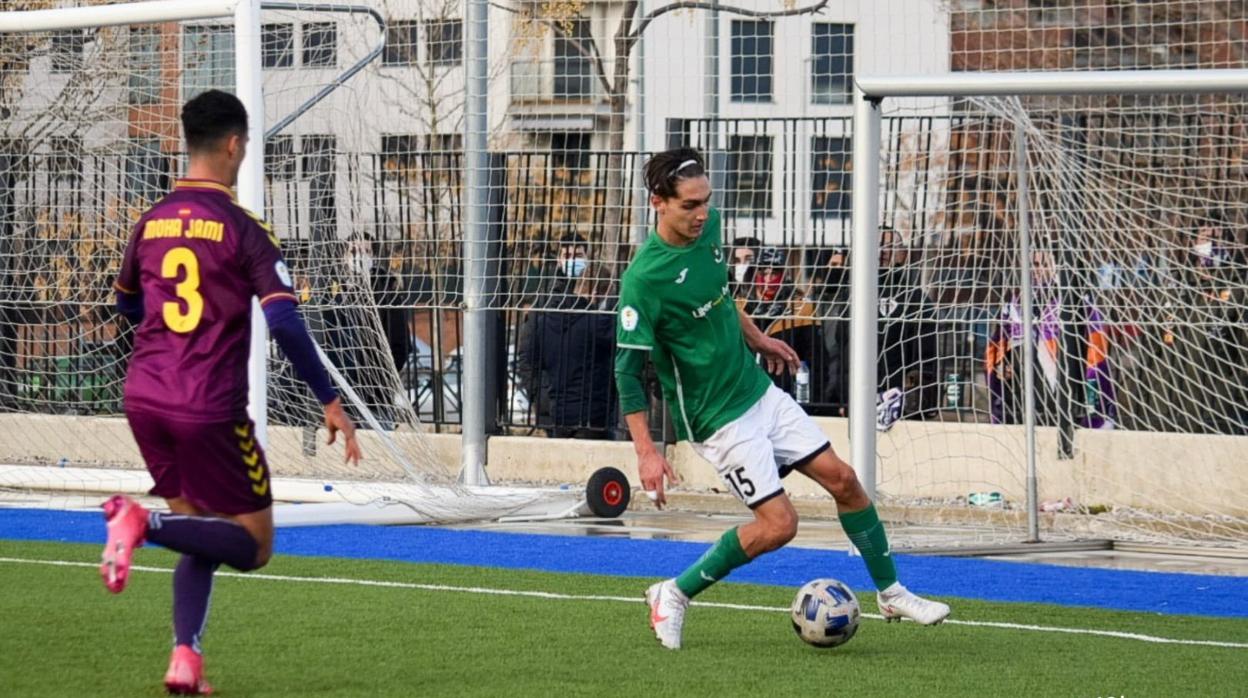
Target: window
318 155
751 61
320 45
445 39
146 171
64 157
832 47
398 154
145 61
830 177
277 43
445 151
318 168
569 151
749 177
400 43
208 55
573 67
279 158
14 159
66 50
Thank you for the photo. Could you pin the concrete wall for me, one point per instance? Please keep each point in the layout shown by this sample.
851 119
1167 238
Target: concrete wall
1164 472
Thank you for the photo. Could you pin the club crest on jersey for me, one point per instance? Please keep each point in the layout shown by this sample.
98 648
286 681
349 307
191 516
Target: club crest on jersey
628 318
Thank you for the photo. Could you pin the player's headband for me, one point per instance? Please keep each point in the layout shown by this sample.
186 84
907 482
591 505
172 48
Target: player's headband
681 166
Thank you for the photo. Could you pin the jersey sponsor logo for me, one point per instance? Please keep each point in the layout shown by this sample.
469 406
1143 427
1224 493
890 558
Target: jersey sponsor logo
683 273
629 318
719 255
702 310
283 273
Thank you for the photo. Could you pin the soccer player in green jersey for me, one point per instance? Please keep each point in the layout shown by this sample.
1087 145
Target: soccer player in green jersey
675 308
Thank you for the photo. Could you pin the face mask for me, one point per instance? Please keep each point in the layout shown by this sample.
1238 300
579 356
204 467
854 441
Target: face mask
739 271
769 285
1203 249
574 267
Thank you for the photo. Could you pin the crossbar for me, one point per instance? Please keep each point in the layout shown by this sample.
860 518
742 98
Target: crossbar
112 15
1055 83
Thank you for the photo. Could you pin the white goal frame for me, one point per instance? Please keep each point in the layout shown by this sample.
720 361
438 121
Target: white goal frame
249 85
869 94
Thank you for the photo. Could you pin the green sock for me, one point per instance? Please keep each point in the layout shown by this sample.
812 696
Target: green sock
724 557
867 534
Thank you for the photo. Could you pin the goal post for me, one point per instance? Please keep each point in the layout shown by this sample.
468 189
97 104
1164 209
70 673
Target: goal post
250 90
1042 176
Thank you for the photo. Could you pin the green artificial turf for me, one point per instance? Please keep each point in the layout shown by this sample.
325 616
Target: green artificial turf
61 634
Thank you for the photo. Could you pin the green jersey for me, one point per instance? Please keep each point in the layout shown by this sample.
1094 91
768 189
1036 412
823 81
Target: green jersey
675 304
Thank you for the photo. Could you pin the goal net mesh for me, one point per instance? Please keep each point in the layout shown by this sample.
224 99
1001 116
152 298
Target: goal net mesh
91 137
1136 213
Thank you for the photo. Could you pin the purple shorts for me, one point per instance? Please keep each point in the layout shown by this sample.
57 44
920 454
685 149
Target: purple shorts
216 466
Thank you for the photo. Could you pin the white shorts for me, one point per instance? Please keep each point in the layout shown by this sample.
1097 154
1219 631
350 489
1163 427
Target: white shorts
754 451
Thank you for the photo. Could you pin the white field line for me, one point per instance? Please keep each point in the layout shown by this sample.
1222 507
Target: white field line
630 599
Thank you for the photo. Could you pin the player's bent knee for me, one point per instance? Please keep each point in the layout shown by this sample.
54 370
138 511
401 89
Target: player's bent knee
780 529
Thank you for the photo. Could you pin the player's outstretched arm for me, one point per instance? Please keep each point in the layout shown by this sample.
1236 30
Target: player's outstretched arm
652 467
292 336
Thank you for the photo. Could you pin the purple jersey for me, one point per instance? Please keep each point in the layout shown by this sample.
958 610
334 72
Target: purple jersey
198 258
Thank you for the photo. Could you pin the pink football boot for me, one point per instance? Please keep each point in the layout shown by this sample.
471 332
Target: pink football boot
127 527
186 673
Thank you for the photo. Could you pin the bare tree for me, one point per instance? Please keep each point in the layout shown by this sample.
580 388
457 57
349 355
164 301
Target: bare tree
614 75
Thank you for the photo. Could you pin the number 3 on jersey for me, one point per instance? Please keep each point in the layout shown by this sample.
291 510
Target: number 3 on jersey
181 262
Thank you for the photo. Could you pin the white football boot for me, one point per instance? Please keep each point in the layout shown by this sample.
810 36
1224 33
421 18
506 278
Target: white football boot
667 612
897 602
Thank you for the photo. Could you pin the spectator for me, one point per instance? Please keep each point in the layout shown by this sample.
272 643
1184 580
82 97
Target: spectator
830 291
572 349
770 288
741 271
394 302
569 264
906 334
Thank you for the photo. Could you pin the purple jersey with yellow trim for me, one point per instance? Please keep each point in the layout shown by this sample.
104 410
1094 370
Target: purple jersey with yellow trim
198 258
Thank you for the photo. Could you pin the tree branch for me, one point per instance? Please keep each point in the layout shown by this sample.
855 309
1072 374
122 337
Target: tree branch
701 5
593 54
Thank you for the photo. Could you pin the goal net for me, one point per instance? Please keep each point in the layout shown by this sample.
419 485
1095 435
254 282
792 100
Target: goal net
1135 208
90 136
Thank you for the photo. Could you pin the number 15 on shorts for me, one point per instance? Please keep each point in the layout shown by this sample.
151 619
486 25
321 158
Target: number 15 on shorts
742 485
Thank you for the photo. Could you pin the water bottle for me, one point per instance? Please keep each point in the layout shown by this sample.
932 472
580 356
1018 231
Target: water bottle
953 390
989 500
802 384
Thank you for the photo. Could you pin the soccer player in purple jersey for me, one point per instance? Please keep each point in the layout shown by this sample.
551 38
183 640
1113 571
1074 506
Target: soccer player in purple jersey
191 268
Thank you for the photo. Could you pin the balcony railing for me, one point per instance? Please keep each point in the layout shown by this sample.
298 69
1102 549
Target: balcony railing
560 81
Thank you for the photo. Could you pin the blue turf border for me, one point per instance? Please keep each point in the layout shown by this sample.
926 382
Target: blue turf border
991 580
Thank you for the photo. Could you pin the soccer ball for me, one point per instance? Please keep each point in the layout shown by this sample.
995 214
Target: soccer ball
825 613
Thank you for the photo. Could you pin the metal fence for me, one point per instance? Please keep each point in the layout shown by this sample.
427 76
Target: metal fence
62 225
